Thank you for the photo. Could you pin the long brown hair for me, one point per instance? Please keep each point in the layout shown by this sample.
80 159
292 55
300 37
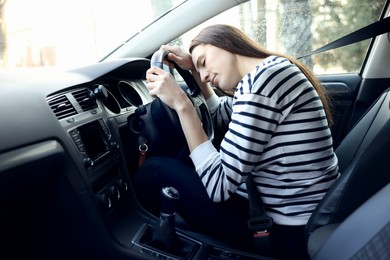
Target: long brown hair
233 40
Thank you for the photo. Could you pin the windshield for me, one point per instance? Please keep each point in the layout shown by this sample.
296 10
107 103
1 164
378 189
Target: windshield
65 34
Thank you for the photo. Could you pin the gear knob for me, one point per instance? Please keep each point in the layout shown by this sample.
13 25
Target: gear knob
164 236
169 197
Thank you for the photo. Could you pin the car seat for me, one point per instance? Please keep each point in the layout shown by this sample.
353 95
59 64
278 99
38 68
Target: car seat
364 166
365 234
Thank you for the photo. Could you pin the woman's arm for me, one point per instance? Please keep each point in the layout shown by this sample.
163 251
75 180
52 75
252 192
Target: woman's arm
164 86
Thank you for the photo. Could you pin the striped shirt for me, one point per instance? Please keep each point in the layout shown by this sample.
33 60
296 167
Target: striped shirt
277 131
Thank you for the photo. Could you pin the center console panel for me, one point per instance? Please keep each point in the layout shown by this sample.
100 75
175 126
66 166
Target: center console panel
162 240
190 248
100 156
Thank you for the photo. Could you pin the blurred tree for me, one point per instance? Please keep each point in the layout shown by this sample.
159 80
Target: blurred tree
246 19
260 27
337 18
295 28
254 22
3 35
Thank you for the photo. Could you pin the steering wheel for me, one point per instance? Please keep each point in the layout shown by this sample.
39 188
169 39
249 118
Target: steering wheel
158 126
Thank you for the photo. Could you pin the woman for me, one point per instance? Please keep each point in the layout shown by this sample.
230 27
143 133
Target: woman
277 130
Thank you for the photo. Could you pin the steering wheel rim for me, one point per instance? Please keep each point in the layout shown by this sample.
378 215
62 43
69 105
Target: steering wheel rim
160 126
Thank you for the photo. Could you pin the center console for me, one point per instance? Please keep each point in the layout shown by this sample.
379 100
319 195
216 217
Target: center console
101 160
94 141
162 240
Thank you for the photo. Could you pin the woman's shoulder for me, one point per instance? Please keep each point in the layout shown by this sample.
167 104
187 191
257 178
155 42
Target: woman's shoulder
264 77
267 67
272 61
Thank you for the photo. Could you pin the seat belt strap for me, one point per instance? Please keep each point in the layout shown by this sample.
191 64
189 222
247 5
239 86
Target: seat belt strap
259 222
370 31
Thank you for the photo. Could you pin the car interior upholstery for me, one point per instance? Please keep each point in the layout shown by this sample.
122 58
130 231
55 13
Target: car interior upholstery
365 241
363 165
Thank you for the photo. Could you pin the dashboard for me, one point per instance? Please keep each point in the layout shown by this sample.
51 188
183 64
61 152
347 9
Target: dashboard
63 162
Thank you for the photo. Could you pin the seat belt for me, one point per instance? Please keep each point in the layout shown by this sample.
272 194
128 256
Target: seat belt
370 31
259 222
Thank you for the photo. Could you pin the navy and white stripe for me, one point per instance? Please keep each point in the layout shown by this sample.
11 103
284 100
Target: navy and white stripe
278 132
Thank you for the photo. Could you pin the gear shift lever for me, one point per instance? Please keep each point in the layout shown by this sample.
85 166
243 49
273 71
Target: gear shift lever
162 237
165 231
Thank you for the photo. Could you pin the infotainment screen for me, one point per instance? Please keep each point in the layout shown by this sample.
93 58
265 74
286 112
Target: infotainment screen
94 139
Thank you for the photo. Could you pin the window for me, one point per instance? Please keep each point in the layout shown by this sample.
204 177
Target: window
296 27
71 33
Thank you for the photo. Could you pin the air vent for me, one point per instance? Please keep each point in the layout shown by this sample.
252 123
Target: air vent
85 99
61 106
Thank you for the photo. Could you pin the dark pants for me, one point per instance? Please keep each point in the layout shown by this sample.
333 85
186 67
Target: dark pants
225 220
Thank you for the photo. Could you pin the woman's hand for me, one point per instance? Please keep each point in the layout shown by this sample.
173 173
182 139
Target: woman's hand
179 56
162 84
184 60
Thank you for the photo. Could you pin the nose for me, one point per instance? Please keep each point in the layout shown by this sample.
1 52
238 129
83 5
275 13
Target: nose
204 76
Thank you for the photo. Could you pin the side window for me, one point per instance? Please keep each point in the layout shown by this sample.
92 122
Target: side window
296 27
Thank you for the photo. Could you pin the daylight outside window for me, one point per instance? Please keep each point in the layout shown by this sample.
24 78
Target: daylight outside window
297 27
47 33
65 34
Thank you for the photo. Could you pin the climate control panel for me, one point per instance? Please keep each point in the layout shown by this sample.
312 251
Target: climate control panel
112 194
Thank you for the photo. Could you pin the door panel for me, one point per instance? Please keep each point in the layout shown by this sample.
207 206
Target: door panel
342 89
351 96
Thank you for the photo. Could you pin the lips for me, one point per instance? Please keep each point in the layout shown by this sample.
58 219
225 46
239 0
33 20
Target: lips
213 80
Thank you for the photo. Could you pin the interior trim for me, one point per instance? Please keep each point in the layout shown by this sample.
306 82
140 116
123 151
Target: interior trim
29 154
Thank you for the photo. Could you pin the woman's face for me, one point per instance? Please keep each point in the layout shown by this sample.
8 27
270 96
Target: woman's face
217 66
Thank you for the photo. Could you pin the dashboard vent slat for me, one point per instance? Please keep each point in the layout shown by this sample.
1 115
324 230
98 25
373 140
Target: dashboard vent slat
85 99
61 106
